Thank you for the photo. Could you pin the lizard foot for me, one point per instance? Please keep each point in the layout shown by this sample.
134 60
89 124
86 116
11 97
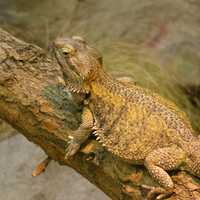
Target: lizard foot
157 193
41 167
72 149
96 157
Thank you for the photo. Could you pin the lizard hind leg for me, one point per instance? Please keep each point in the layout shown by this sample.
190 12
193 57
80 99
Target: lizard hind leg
159 162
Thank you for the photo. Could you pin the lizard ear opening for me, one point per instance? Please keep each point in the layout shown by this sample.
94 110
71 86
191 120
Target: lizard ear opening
95 53
100 59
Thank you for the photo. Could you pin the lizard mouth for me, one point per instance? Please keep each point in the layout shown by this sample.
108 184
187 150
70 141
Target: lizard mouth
68 68
73 80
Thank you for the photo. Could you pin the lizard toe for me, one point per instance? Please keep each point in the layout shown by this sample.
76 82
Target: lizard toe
71 150
157 193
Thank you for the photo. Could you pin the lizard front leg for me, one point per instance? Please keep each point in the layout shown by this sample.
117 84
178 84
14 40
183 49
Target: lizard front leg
80 135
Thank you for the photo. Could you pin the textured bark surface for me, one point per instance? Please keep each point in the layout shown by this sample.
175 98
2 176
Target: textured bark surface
35 102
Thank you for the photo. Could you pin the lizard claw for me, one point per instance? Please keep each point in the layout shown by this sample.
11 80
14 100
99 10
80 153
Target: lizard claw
157 193
72 149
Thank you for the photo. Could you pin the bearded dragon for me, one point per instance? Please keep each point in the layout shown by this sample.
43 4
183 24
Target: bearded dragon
132 122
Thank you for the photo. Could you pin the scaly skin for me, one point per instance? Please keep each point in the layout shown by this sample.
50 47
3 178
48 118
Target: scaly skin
133 123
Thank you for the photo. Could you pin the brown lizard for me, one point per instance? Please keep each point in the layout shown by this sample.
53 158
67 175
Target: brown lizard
133 123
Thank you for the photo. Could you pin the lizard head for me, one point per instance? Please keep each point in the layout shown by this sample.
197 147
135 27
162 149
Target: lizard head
80 63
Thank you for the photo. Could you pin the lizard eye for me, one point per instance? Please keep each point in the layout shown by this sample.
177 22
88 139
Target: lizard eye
68 49
65 52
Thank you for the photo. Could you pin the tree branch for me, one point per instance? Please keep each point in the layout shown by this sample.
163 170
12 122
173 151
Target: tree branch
33 99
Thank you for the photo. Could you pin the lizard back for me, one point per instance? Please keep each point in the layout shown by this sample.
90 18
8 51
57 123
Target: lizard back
133 121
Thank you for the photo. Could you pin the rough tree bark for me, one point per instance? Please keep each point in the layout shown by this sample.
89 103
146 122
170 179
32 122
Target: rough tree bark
33 99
